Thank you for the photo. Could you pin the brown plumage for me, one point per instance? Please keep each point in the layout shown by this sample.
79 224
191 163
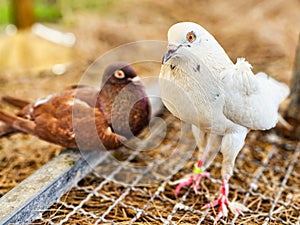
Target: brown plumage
82 116
124 101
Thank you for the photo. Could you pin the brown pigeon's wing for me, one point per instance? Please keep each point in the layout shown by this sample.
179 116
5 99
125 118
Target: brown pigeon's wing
73 124
55 125
87 94
91 129
61 119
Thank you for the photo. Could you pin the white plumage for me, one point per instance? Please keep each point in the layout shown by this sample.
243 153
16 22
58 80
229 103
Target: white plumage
223 101
252 100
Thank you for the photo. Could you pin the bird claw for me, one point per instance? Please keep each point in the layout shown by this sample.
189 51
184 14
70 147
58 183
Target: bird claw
184 182
237 208
224 204
191 179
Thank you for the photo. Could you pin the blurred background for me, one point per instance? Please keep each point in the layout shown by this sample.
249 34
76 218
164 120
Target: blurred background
46 45
41 36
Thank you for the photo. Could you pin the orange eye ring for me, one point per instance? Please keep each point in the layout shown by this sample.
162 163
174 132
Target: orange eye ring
119 74
190 36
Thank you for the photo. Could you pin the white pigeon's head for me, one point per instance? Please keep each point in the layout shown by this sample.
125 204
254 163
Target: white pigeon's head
188 33
186 38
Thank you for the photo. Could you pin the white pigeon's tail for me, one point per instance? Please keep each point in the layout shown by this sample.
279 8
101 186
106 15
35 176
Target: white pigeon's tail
279 89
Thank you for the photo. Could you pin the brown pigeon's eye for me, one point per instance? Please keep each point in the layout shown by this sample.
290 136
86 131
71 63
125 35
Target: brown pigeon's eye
191 36
119 74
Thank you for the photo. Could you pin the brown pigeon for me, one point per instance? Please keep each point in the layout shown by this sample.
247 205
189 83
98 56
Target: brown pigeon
85 117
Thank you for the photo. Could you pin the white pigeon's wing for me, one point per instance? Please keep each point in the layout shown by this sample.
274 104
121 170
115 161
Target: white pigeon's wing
252 100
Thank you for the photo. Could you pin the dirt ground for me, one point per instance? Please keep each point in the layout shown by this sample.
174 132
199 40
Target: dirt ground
264 32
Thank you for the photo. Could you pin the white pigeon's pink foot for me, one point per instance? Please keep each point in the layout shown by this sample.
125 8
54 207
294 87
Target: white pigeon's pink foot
192 179
223 203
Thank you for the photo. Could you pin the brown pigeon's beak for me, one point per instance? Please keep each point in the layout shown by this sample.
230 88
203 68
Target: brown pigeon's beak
170 52
136 80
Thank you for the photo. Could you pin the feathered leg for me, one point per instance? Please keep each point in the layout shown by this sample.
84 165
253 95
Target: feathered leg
231 146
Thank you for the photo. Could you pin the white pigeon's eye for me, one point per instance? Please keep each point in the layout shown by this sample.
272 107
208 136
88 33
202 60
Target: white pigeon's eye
119 74
190 36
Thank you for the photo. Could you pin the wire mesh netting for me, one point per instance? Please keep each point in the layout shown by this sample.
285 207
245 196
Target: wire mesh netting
133 186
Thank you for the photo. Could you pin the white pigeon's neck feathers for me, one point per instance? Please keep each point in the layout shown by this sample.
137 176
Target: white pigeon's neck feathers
207 47
242 65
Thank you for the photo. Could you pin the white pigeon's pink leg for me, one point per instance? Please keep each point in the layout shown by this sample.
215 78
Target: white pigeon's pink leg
222 201
192 179
231 146
209 146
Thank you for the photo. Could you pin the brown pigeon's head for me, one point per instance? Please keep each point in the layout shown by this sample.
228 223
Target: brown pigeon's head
118 73
123 100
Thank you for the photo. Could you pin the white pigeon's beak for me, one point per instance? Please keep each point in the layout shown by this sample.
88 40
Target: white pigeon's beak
171 50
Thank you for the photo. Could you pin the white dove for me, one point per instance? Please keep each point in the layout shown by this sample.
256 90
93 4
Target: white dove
200 85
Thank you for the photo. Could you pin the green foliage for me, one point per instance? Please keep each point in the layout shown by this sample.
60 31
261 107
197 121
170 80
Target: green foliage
46 11
52 10
4 12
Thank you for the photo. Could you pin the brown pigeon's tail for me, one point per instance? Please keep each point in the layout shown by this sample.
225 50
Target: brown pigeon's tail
13 123
6 129
17 102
